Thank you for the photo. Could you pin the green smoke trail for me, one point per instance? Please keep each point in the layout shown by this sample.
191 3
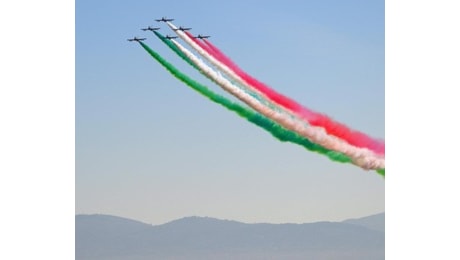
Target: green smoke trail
276 130
175 49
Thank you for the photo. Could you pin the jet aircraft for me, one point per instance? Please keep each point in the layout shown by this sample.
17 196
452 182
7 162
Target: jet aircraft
137 39
202 36
170 37
150 29
182 28
164 19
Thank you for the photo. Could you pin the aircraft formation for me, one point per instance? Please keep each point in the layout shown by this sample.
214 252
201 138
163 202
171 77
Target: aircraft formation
164 19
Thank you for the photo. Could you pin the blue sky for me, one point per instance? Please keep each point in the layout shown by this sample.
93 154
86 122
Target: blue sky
149 148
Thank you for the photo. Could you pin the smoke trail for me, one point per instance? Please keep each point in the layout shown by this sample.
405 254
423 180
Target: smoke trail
233 78
215 53
222 57
360 157
328 125
334 128
182 55
276 130
228 72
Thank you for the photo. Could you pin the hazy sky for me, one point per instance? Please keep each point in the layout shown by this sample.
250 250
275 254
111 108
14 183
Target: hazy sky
151 149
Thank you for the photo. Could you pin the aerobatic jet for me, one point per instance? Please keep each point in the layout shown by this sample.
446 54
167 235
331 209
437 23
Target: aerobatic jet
150 29
164 19
182 28
170 37
137 39
201 36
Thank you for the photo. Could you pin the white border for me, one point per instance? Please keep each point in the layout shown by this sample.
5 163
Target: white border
422 71
37 140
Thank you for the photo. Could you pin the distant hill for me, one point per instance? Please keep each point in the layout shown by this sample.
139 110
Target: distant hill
375 222
111 237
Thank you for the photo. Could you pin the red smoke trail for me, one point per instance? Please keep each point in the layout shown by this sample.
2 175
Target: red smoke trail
222 58
353 137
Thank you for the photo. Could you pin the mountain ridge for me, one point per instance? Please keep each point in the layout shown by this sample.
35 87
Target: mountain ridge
100 236
375 222
199 218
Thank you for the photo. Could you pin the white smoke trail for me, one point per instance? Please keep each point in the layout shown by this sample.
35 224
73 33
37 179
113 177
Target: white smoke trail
227 71
361 157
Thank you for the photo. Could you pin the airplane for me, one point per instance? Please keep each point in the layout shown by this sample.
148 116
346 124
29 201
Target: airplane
201 36
182 28
164 19
170 37
136 39
150 29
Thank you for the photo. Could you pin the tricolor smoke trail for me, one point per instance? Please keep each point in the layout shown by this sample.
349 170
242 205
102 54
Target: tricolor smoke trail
248 90
222 57
277 131
228 72
360 157
217 54
353 137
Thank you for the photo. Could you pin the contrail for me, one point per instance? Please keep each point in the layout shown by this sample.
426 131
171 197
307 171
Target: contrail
276 130
360 157
332 127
